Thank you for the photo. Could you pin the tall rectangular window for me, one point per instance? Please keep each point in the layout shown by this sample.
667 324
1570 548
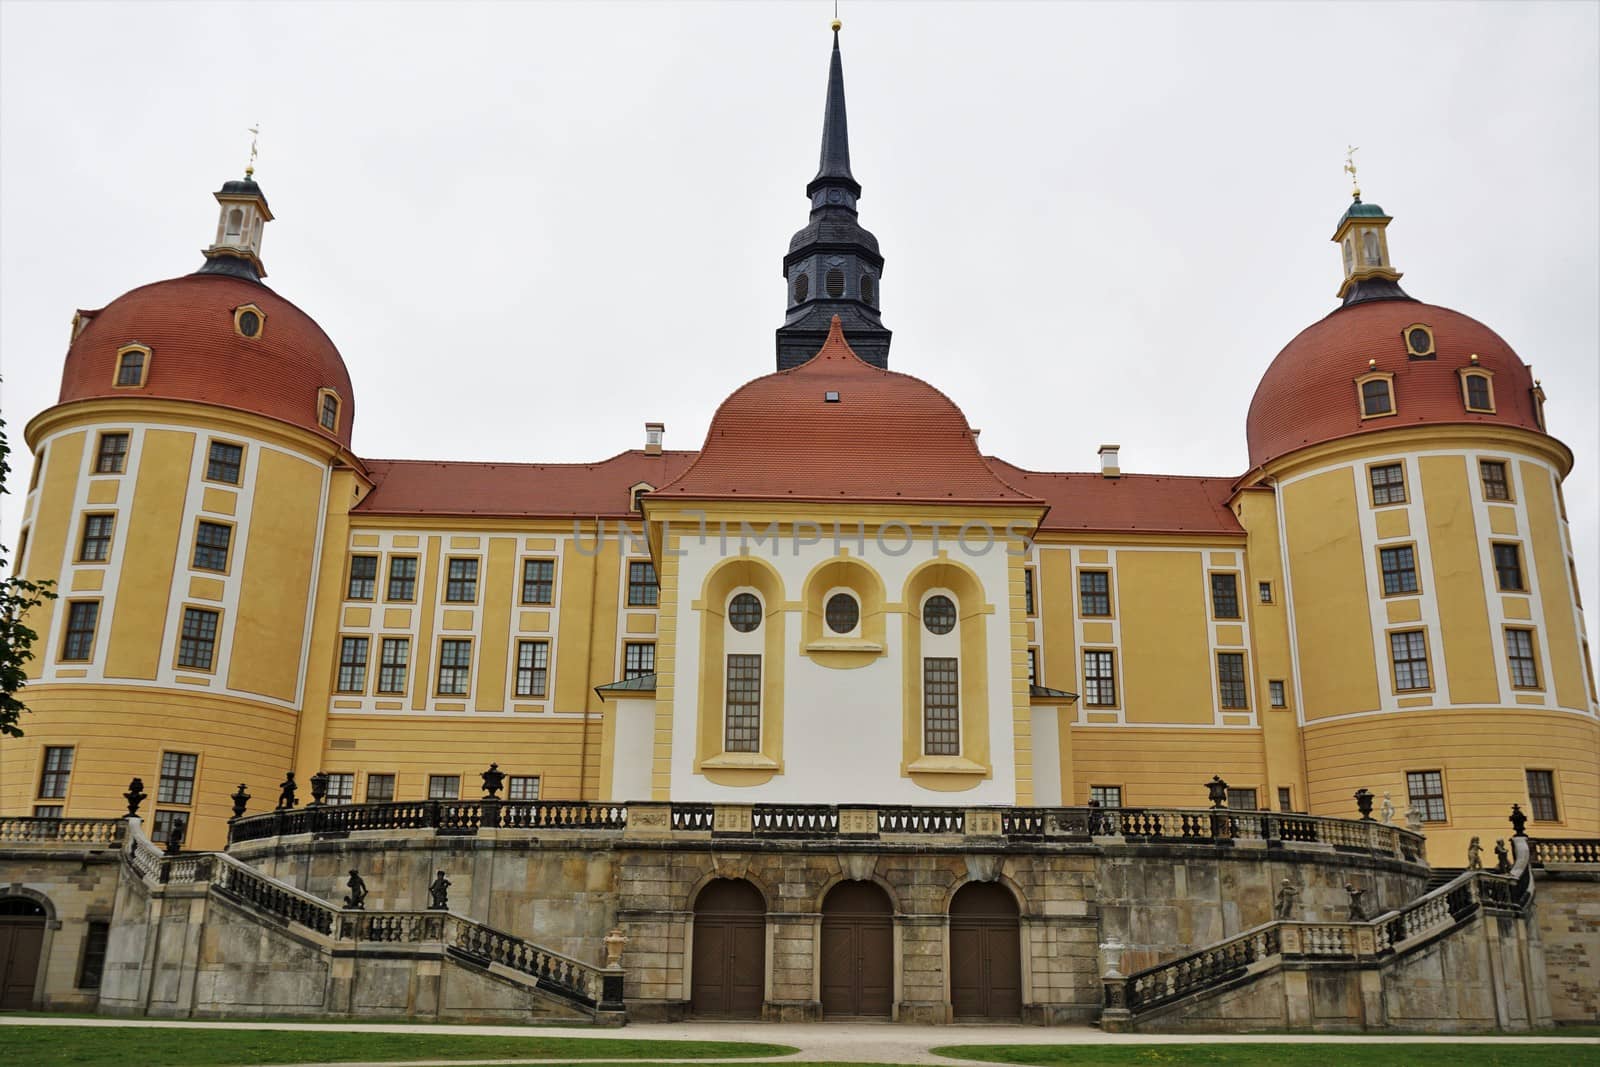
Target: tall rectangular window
1107 796
1542 795
638 659
363 578
533 668
402 578
112 455
1520 658
455 666
95 940
1027 590
1094 593
393 660
1399 569
1508 567
642 588
1277 695
538 580
341 788
211 540
1388 484
941 707
743 726
197 644
1426 790
1099 679
1408 649
1225 596
1264 591
1496 486
95 547
81 618
461 581
352 664
522 787
130 368
380 788
1285 799
444 787
1242 799
57 771
1230 680
1033 666
223 462
176 784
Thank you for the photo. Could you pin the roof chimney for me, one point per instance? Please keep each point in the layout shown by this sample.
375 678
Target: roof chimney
1109 467
653 432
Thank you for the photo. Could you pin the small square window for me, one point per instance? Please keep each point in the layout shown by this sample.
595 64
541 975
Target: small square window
1375 398
402 578
166 822
639 659
522 787
380 788
341 789
1388 483
1399 565
1107 796
223 462
1242 800
1496 485
112 455
1426 791
211 540
444 787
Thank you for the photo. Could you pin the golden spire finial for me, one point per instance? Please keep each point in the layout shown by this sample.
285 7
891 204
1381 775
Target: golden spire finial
255 132
836 22
1350 169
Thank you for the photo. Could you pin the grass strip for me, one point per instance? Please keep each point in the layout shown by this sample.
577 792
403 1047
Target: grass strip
1280 1055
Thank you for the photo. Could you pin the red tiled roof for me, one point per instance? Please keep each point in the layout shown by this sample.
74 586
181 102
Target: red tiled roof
888 438
521 490
196 355
1308 395
1134 503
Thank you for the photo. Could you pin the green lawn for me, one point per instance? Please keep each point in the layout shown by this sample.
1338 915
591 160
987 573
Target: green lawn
136 1046
1280 1055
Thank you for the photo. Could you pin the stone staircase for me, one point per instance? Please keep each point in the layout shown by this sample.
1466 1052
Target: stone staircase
554 986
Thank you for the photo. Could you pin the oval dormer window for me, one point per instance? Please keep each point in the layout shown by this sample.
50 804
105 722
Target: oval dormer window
939 614
249 323
835 283
744 612
802 287
842 613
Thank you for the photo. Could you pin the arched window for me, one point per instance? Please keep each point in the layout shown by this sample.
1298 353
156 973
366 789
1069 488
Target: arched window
328 410
1371 249
941 675
744 643
1349 256
235 222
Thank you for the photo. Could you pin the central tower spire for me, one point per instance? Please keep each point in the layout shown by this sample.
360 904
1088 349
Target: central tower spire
833 266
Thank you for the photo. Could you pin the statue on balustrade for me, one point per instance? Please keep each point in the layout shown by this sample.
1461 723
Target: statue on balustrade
1502 858
357 898
1386 809
286 791
1475 855
1288 894
1358 910
439 893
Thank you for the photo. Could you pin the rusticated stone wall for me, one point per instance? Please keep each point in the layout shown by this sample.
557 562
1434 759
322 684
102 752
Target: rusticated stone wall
75 886
1568 907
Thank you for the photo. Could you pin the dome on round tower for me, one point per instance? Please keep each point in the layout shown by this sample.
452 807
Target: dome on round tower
218 339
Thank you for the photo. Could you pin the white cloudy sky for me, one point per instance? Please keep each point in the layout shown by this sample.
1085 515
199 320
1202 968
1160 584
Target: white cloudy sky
531 228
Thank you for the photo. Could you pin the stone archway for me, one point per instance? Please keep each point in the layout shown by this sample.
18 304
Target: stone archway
22 927
857 960
729 965
985 953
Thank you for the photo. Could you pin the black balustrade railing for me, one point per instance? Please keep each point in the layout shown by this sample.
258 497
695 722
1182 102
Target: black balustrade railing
694 817
908 820
794 820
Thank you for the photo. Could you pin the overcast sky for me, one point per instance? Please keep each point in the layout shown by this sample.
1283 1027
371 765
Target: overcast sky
532 228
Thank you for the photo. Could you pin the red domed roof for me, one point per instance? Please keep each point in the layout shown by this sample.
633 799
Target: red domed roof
1308 394
884 437
196 354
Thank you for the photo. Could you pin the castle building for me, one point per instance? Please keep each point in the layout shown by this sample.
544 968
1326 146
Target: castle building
837 598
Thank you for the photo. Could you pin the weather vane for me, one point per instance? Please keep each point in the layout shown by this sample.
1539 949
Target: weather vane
255 131
1350 168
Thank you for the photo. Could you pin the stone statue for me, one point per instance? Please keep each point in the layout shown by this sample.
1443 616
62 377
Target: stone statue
1475 855
1502 857
1097 820
1287 895
286 790
439 893
1414 819
1519 820
357 897
175 833
1386 809
1358 910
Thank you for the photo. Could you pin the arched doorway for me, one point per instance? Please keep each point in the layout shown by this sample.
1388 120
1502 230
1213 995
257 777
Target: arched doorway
21 942
985 953
857 951
729 967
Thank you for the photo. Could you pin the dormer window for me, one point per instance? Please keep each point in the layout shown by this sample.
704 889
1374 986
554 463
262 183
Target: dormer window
248 321
802 287
133 365
1376 392
636 496
1419 342
835 283
328 410
1477 391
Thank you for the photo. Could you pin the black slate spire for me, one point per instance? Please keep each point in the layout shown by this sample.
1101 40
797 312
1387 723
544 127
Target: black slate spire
833 266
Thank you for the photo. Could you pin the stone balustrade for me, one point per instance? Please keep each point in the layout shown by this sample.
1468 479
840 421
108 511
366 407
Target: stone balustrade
883 823
54 833
1564 850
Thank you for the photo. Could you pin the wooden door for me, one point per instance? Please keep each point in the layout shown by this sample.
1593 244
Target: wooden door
21 942
857 966
985 954
730 951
